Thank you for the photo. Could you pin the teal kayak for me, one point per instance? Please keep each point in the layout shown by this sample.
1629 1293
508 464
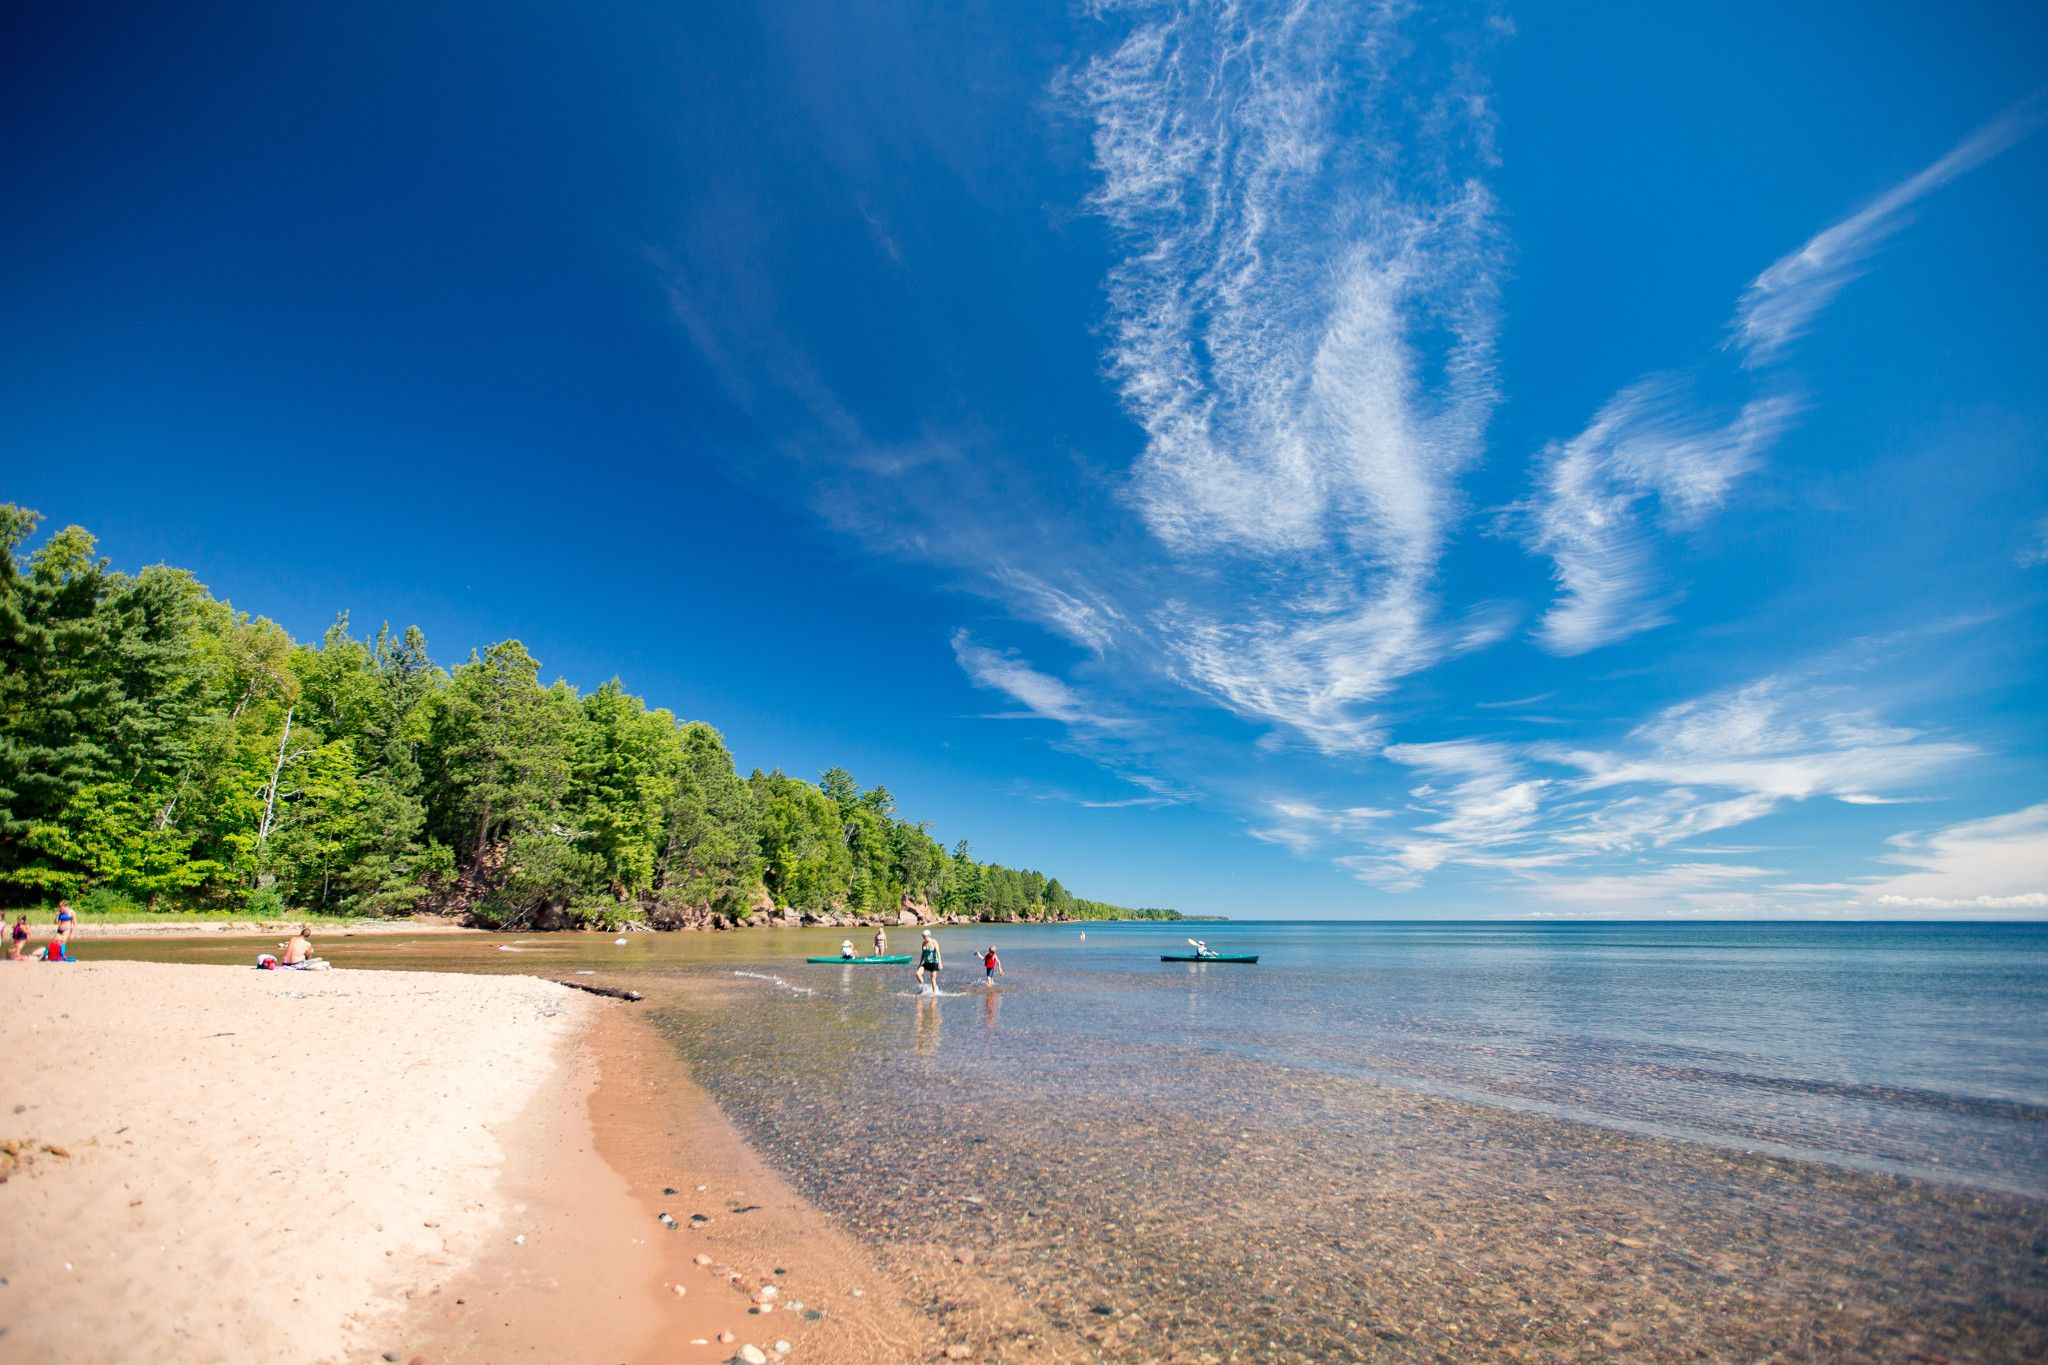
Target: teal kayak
865 961
1213 957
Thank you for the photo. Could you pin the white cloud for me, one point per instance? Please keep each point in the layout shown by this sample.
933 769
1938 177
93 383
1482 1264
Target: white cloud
1661 818
1303 826
1781 303
1479 806
1779 739
2035 551
1090 624
1303 327
1992 864
1647 442
1041 694
1650 442
1688 885
1713 763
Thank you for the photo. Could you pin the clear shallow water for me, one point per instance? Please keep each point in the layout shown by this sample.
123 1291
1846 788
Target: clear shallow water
1410 1140
1916 1049
1401 1141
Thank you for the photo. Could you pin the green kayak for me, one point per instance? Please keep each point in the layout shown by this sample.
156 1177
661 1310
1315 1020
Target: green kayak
865 961
1213 957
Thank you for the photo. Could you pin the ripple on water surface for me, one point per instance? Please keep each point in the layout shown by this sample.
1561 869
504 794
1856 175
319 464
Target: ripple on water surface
1120 1159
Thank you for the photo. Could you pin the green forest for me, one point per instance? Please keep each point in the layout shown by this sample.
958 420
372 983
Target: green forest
160 749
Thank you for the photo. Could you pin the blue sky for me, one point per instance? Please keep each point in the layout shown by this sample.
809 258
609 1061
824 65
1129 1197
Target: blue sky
1319 461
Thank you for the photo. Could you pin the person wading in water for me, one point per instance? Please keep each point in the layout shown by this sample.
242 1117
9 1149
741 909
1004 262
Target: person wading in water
928 961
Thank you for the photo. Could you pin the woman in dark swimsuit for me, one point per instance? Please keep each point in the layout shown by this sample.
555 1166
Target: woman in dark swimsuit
928 961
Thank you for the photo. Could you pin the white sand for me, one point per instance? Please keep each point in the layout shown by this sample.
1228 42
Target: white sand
262 1165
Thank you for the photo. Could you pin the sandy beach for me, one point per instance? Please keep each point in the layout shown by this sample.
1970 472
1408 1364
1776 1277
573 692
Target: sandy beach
214 1163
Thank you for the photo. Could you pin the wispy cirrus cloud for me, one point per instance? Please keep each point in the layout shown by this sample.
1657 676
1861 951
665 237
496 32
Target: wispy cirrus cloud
1780 304
1777 739
1708 764
1303 326
1716 888
2034 552
1042 696
1651 443
1088 621
1303 825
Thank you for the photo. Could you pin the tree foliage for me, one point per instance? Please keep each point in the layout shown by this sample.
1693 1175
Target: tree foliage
160 747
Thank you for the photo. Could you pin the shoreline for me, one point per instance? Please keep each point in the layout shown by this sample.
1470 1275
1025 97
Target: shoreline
89 931
599 1274
232 1165
1461 1226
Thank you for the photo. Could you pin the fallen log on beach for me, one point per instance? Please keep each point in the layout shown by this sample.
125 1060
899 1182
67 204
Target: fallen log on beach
611 991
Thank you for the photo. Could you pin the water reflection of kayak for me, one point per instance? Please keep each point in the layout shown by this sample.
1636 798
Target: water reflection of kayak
864 961
1212 957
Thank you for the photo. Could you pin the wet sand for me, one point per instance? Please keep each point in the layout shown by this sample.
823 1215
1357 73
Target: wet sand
597 1278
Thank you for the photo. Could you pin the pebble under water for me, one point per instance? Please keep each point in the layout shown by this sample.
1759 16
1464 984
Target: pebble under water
1105 1157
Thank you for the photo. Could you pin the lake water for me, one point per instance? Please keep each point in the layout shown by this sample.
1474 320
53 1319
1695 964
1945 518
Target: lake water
1915 1049
1402 1141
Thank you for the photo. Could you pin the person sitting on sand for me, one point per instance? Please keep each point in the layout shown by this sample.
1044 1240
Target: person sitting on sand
16 937
298 953
846 949
928 961
991 965
56 952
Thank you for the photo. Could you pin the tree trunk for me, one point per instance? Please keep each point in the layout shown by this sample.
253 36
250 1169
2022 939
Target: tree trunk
276 776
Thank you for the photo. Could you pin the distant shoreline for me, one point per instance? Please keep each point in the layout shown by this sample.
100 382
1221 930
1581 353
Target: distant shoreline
170 927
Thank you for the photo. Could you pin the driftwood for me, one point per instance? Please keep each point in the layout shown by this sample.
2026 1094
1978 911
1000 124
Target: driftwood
611 991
